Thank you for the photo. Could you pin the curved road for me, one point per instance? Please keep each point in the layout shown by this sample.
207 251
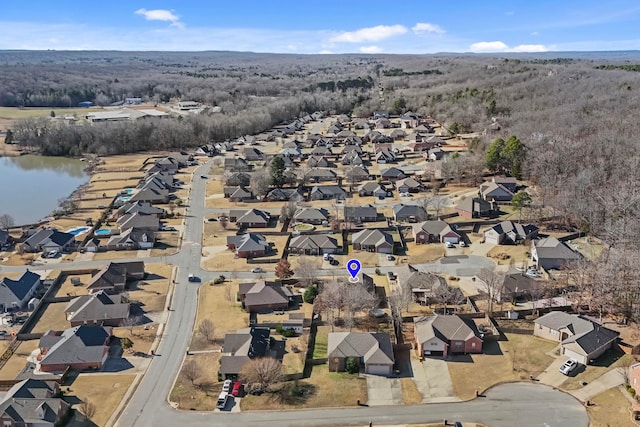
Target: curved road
522 404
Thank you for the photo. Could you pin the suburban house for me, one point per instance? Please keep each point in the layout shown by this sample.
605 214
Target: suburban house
385 156
321 150
15 294
148 194
80 348
240 347
311 215
252 154
4 238
236 165
444 335
114 277
263 296
493 192
327 192
286 194
132 239
509 232
141 221
435 231
364 213
408 185
372 240
32 403
475 207
248 245
357 173
313 244
428 288
392 174
518 286
320 175
580 338
98 309
253 218
550 253
410 213
236 179
373 188
435 153
319 162
237 193
373 351
139 207
507 182
48 239
352 158
92 245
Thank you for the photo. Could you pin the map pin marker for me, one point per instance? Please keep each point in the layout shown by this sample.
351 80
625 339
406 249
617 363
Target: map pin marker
353 267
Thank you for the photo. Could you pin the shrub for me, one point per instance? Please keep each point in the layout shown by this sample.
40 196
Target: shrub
378 272
352 365
310 294
126 343
289 333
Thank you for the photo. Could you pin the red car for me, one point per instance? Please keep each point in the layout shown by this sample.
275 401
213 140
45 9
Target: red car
237 389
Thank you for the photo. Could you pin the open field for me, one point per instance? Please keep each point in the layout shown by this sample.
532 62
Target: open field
18 361
512 360
610 408
200 395
104 391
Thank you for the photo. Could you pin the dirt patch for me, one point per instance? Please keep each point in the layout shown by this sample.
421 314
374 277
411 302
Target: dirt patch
104 391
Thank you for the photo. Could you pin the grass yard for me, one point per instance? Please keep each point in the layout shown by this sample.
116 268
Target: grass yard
424 253
202 394
410 393
18 361
322 340
507 254
217 303
610 409
114 255
152 291
322 389
104 391
295 352
68 288
142 338
166 244
498 364
53 317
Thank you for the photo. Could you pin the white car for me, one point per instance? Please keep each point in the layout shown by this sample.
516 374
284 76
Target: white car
256 270
463 244
568 366
532 272
226 386
448 245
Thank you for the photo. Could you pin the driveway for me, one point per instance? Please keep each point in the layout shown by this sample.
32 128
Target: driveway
433 380
383 391
552 376
611 379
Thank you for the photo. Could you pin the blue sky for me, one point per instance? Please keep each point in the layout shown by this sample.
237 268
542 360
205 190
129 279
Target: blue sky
329 26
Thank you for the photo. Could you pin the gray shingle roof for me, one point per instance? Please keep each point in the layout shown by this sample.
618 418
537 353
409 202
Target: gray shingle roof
550 247
588 334
97 307
81 344
371 237
445 327
16 290
372 347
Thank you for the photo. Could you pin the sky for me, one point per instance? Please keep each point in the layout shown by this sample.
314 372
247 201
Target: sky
329 26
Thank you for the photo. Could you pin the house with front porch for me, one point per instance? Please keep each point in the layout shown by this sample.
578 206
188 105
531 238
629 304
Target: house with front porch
446 335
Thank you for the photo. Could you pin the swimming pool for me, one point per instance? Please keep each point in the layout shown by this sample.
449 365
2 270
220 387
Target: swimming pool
127 191
77 230
102 232
124 198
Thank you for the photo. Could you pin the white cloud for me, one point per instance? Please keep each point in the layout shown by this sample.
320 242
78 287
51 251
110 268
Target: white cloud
325 52
529 48
534 33
370 49
160 15
371 34
498 46
425 27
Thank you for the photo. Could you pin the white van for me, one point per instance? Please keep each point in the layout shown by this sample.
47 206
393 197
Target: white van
222 400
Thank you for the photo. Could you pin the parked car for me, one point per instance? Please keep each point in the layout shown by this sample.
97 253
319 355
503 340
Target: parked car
203 177
222 400
448 245
334 261
568 366
226 385
257 270
236 390
193 278
532 272
391 275
463 244
327 257
390 258
457 424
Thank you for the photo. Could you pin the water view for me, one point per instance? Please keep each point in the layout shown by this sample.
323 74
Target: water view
32 185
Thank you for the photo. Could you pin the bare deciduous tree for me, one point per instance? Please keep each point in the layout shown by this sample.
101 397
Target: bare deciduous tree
492 284
191 371
207 329
260 182
6 221
264 372
307 269
130 322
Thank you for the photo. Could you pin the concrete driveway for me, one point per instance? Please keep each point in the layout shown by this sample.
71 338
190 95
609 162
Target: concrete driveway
552 376
433 380
611 379
383 391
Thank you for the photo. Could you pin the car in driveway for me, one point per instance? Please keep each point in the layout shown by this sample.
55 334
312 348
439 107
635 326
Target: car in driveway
236 390
221 403
226 386
568 366
532 272
257 270
448 245
390 258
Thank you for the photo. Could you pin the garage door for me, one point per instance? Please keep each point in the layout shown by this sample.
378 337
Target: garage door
573 355
378 369
451 239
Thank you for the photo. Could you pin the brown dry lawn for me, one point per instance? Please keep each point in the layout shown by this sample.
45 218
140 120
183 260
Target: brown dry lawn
166 243
410 393
608 361
610 409
104 391
516 254
217 302
67 288
498 366
142 338
326 389
424 253
114 255
202 394
295 352
152 291
18 361
53 317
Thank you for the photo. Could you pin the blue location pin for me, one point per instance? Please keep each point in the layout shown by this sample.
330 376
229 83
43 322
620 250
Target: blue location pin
353 267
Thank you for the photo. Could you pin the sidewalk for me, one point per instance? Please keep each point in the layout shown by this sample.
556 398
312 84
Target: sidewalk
609 380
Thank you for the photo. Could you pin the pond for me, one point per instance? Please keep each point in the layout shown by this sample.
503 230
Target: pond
32 186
